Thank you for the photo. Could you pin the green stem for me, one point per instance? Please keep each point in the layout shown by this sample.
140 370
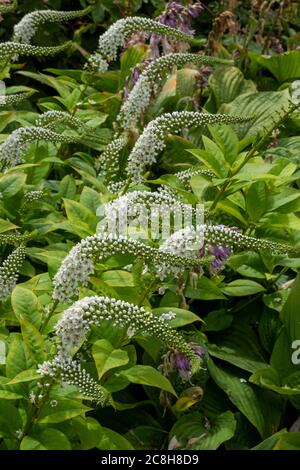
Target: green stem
46 321
147 291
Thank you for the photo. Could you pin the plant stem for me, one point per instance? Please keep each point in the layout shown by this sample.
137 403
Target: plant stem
147 291
46 321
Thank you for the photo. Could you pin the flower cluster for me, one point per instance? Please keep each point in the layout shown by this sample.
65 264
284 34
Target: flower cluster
10 49
186 175
146 198
9 100
176 16
29 24
9 271
108 162
17 143
115 37
150 82
213 240
31 197
63 368
79 263
77 320
226 236
12 238
152 141
51 119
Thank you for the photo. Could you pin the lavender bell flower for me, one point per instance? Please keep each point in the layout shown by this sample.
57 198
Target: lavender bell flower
182 364
221 254
176 16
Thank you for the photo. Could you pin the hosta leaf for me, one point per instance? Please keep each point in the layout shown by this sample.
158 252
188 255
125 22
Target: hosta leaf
284 67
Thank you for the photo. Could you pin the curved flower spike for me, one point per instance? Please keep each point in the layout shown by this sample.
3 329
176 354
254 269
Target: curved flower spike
152 141
115 37
151 80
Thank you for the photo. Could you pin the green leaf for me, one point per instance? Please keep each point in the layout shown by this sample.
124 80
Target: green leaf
111 440
261 105
89 431
10 420
24 303
217 320
284 66
18 358
11 184
227 83
67 187
129 59
212 157
118 278
5 226
270 379
78 213
290 314
147 375
65 409
246 399
183 317
227 141
192 431
46 439
25 376
106 357
206 290
34 341
256 200
241 287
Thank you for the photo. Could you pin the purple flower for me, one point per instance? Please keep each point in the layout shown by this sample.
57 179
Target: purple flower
177 16
221 254
182 364
199 351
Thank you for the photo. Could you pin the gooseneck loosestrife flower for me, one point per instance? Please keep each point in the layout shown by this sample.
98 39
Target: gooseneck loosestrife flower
9 49
152 141
108 162
64 368
12 149
79 263
10 100
177 253
9 272
51 119
76 322
115 38
29 24
150 81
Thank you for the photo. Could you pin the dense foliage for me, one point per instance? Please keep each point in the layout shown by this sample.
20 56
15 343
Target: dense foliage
125 341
